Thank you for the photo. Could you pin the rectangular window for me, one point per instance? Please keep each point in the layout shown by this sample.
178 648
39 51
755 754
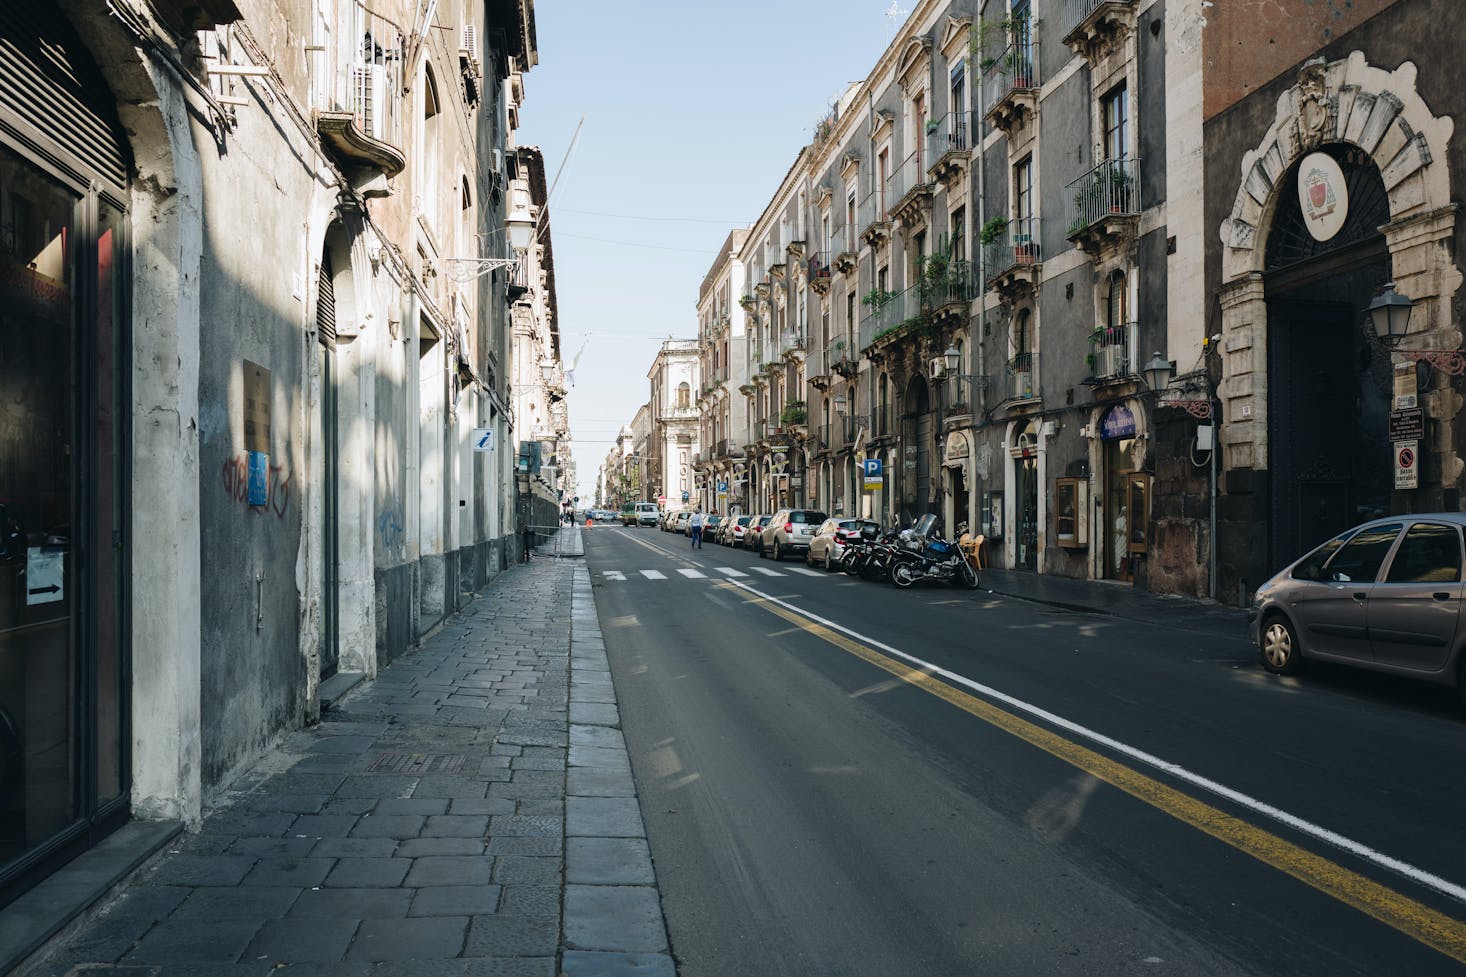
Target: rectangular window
959 234
883 175
850 228
1115 116
1023 190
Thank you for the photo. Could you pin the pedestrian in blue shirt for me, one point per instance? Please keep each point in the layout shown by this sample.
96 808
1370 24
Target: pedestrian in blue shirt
695 524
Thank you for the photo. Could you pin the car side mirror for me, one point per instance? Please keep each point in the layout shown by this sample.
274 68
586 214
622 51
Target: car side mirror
1339 576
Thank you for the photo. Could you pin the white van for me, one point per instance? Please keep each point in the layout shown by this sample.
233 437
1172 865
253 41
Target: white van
647 513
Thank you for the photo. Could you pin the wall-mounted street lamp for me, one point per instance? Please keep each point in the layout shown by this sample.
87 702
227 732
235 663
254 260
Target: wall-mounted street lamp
1389 314
1157 372
521 228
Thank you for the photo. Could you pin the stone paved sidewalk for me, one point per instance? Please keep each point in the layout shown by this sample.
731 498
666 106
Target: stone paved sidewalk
470 812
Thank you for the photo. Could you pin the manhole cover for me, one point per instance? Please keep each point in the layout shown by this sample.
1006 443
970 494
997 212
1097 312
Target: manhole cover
416 763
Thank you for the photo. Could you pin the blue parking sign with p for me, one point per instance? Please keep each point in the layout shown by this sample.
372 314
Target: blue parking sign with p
872 467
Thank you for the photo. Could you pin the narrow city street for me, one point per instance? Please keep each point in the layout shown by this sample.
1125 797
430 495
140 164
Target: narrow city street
839 777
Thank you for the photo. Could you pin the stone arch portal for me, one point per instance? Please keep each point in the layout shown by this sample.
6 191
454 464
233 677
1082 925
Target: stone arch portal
1393 150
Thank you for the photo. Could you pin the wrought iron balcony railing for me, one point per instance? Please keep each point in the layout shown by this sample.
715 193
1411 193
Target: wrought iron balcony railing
1109 358
946 135
1023 376
1014 70
1016 246
1111 189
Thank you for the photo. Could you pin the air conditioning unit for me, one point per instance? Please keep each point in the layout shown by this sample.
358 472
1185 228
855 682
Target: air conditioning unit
470 42
368 98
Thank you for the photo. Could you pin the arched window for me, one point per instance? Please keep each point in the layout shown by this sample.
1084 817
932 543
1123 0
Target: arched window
684 394
1116 305
1023 332
432 139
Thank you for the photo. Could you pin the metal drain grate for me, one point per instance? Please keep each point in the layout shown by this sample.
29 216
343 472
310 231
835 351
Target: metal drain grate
416 763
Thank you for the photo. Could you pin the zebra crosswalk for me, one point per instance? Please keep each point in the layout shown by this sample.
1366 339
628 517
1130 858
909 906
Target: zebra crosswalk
716 573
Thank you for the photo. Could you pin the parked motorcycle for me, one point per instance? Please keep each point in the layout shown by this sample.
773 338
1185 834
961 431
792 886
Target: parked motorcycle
868 557
922 554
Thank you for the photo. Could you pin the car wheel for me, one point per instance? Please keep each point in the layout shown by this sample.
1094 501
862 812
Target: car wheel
1280 651
778 552
809 557
829 564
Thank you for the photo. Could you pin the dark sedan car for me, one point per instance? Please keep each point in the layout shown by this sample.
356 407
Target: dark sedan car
753 532
1386 595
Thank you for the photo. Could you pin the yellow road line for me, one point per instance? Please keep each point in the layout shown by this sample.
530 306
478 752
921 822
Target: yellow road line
1413 918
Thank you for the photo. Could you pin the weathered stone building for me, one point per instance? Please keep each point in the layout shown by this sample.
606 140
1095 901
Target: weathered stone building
242 459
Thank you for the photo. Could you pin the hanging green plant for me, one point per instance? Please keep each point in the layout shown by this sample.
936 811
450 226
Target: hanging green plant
993 230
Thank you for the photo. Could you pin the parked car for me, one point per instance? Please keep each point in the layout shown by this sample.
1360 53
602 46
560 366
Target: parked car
753 532
1385 595
710 523
828 545
789 531
677 521
730 533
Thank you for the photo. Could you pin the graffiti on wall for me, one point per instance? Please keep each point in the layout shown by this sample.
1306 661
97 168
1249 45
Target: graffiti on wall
277 486
390 529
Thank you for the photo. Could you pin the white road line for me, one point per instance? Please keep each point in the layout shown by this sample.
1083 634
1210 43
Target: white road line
653 574
731 572
613 574
1412 872
767 572
691 574
806 571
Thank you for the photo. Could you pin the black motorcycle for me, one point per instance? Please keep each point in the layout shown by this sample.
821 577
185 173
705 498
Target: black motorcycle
922 554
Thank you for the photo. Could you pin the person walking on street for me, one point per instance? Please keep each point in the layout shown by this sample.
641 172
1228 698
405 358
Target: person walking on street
694 524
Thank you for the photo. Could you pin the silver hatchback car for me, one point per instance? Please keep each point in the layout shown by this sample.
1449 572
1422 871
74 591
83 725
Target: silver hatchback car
1385 595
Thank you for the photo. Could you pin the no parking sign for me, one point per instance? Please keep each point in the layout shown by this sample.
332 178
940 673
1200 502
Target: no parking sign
1407 464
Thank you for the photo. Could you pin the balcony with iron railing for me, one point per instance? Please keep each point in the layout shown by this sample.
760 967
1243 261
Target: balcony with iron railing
884 312
945 287
1103 203
1022 378
1011 82
881 424
1012 258
910 189
842 357
820 272
1109 358
875 222
845 241
356 92
1094 28
948 149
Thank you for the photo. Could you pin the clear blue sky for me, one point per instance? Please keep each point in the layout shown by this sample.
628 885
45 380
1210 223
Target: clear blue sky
693 114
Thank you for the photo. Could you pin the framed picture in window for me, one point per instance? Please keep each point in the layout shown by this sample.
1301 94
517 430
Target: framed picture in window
1071 512
992 515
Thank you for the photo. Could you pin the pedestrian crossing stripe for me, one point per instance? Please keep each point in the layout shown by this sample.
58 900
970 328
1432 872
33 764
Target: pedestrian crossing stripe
692 574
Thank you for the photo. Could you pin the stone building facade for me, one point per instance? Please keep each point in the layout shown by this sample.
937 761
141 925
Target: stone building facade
1354 103
252 467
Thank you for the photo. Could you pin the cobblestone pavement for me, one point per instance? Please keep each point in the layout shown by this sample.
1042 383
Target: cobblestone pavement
470 812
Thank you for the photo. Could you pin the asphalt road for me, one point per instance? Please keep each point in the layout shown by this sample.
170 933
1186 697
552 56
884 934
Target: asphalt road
1031 791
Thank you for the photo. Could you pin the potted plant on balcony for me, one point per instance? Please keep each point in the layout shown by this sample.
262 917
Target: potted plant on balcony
1117 183
959 409
793 413
993 230
1019 67
877 299
932 125
1025 249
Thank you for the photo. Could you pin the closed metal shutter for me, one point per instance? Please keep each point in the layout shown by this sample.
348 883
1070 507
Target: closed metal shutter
326 305
52 99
